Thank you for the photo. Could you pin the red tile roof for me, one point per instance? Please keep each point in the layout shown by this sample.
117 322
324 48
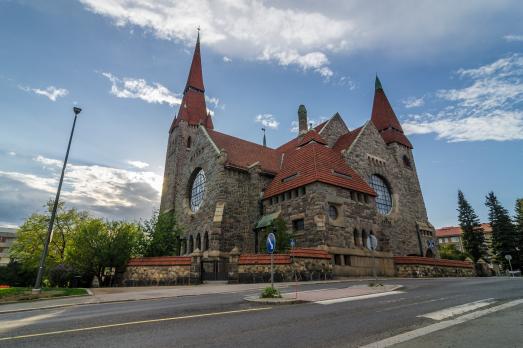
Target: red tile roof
242 153
385 119
311 135
346 139
160 261
315 162
453 231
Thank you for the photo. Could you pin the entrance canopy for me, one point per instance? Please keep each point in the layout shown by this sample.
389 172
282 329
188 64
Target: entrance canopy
266 220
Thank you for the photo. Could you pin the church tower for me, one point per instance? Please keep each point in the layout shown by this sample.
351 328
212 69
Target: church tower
191 114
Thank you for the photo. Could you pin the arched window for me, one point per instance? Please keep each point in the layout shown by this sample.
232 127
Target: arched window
189 142
356 236
197 190
206 241
364 238
199 242
191 244
384 198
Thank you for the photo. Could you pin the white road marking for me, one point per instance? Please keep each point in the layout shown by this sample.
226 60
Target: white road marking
457 310
356 298
407 336
6 325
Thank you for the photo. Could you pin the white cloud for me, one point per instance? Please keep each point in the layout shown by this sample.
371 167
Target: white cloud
95 186
489 108
413 102
138 164
227 59
512 38
11 153
267 120
303 34
140 89
50 92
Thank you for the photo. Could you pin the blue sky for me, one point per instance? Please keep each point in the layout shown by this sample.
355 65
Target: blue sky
453 73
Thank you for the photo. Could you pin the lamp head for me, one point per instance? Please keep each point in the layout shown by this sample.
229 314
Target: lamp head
76 110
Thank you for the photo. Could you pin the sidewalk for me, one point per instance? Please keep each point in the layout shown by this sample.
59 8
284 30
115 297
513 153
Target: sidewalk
108 295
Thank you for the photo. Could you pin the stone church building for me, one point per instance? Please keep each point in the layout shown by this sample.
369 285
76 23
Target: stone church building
332 185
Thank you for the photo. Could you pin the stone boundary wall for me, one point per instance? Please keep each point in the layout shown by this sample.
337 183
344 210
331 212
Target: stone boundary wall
300 264
359 262
154 271
420 267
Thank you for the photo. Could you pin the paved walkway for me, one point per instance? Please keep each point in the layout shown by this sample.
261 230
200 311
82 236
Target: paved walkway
106 295
332 294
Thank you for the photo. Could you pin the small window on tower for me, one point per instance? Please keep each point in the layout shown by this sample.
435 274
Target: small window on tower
189 142
406 161
298 225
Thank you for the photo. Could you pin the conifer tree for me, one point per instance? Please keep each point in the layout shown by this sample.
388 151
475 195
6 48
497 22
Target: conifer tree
504 237
473 237
518 223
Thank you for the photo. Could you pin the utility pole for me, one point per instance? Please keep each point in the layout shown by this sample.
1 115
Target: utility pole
38 283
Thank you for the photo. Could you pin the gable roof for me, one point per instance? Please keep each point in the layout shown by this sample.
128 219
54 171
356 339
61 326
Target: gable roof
315 162
243 154
347 139
455 231
311 135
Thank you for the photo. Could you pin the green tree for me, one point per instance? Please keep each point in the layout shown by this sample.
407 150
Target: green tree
161 235
518 223
504 237
28 246
283 237
473 235
99 245
449 252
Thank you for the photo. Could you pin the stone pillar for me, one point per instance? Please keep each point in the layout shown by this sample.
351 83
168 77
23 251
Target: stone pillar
232 268
302 120
196 267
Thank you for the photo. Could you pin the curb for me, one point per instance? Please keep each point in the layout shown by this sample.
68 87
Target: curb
283 300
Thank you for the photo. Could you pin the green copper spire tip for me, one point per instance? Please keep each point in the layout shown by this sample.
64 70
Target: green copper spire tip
377 84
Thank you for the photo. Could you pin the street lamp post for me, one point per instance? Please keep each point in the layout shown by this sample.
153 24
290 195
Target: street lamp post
38 282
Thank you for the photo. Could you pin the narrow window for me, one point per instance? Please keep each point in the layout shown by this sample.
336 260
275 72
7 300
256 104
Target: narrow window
298 225
189 142
333 212
356 236
364 238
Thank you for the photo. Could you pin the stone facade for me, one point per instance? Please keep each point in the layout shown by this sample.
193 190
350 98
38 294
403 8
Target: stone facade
422 267
244 182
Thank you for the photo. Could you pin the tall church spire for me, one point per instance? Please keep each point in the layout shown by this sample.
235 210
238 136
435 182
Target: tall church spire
385 119
193 109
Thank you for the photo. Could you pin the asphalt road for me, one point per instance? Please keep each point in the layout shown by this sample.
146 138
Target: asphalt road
226 320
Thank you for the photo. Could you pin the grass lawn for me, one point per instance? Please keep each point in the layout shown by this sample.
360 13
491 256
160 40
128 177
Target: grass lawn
24 294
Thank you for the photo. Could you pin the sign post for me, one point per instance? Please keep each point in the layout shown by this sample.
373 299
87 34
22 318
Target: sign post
293 245
271 246
372 245
509 257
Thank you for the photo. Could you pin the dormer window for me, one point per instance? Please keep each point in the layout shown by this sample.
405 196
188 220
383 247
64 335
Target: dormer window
289 178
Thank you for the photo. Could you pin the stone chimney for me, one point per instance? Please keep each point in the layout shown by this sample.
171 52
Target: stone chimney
302 120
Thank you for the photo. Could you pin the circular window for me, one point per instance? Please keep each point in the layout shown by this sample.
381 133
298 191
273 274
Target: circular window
333 212
384 199
197 190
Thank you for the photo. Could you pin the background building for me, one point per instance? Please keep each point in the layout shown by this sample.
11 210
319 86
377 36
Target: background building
454 235
7 237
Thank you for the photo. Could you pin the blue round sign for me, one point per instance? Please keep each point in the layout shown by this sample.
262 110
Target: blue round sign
271 243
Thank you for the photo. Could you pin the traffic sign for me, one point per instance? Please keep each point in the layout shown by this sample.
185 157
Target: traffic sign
372 242
293 243
508 257
271 243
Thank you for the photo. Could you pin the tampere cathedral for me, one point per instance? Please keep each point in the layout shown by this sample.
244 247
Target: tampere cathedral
333 185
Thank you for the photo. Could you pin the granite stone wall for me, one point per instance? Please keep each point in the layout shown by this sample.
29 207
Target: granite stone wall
422 267
369 155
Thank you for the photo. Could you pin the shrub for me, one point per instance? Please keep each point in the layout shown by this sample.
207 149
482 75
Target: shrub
270 292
